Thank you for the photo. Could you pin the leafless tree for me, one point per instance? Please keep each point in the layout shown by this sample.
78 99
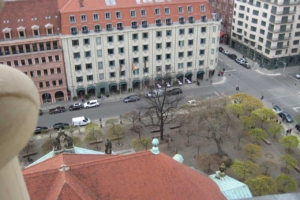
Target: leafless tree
131 117
199 143
206 161
159 109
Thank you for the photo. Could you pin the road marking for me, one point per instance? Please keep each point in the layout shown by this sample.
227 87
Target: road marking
294 78
230 70
217 93
296 109
228 65
221 60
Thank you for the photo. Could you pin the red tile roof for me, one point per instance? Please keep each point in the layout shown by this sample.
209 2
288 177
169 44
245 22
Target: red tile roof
141 175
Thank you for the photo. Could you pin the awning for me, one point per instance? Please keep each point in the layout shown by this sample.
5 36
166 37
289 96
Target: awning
168 76
135 81
200 72
179 75
221 33
112 84
80 89
123 83
146 78
188 73
158 78
90 88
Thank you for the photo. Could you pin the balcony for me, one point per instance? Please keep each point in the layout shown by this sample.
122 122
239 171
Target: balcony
120 28
282 12
85 31
134 26
277 46
74 32
278 30
191 21
280 21
144 25
158 24
278 38
181 22
109 28
169 23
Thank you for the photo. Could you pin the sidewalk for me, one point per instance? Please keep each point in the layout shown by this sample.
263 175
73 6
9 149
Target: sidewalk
275 72
118 97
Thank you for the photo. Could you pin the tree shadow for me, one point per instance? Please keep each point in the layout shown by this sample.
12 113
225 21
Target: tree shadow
285 170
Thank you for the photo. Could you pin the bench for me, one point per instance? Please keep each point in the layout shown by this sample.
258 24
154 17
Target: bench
297 168
30 154
155 130
96 141
267 141
173 127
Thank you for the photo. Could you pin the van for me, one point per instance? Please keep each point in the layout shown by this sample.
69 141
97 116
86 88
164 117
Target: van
80 121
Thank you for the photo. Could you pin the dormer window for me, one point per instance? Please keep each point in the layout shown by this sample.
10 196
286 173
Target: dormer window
7 33
49 29
134 24
181 20
35 30
203 18
21 31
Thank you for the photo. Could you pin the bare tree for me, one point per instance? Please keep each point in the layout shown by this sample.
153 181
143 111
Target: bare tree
206 161
131 117
159 108
187 127
199 143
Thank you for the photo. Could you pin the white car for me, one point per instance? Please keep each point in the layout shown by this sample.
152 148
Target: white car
187 81
240 60
179 82
90 104
158 86
155 93
277 109
297 75
225 52
168 85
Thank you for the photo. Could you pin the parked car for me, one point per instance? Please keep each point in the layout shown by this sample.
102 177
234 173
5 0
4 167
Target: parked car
155 93
298 75
60 125
39 129
243 62
246 65
131 98
187 81
221 49
285 117
232 56
277 109
58 109
168 85
239 60
297 127
174 91
225 52
80 121
75 106
40 112
91 103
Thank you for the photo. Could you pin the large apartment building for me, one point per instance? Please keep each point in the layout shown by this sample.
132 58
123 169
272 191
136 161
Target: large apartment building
224 9
267 31
30 42
116 45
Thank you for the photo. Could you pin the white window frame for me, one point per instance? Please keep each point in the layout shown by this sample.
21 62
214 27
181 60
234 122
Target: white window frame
180 7
190 7
146 23
160 22
203 8
132 13
101 76
99 53
112 27
137 25
75 28
95 27
156 9
180 65
118 24
167 9
96 14
105 15
117 15
71 22
7 31
98 41
142 13
83 18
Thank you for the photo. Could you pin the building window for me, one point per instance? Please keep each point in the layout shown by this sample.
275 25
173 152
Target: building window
145 35
41 84
76 55
143 13
190 42
189 64
145 47
201 62
36 61
89 77
58 70
79 79
191 19
158 34
118 15
190 53
86 41
72 19
109 27
45 72
294 50
135 36
88 66
191 30
168 44
100 65
181 20
121 50
202 40
29 61
112 74
203 29
180 65
156 11
190 9
134 24
168 56
181 31
99 53
77 67
120 38
201 52
167 11
101 76
87 54
110 39
135 60
110 51
212 51
111 63
22 62
21 34
181 43
168 32
38 72
97 28
74 30
144 24
132 14
158 45
54 83
202 8
180 54
169 21
43 60
96 17
120 26
135 48
158 22
35 32
85 29
50 59
107 16
49 31
83 18
98 40
180 9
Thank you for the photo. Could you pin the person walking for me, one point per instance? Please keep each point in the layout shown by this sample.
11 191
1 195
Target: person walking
82 99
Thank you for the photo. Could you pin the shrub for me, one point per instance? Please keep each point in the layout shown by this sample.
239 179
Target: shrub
75 98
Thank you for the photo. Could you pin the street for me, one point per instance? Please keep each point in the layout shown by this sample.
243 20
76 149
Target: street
279 89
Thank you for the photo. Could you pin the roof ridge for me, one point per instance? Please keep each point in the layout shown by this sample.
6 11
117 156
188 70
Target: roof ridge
65 5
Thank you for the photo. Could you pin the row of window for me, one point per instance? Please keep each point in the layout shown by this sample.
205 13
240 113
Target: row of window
53 83
134 24
44 72
7 32
137 71
28 48
30 61
133 14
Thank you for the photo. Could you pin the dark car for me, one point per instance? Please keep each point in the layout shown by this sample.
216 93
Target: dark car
174 91
221 49
131 98
58 126
297 127
40 112
75 106
285 117
58 109
39 129
232 56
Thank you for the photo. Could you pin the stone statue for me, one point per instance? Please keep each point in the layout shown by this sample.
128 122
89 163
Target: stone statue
222 169
108 147
62 141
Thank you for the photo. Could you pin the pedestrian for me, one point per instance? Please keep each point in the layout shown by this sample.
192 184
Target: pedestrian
102 98
82 99
287 132
290 131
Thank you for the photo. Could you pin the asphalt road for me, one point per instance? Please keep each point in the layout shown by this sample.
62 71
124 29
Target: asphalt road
277 89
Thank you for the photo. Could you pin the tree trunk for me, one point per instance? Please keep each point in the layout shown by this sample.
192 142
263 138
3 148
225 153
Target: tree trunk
238 145
161 130
220 151
198 151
